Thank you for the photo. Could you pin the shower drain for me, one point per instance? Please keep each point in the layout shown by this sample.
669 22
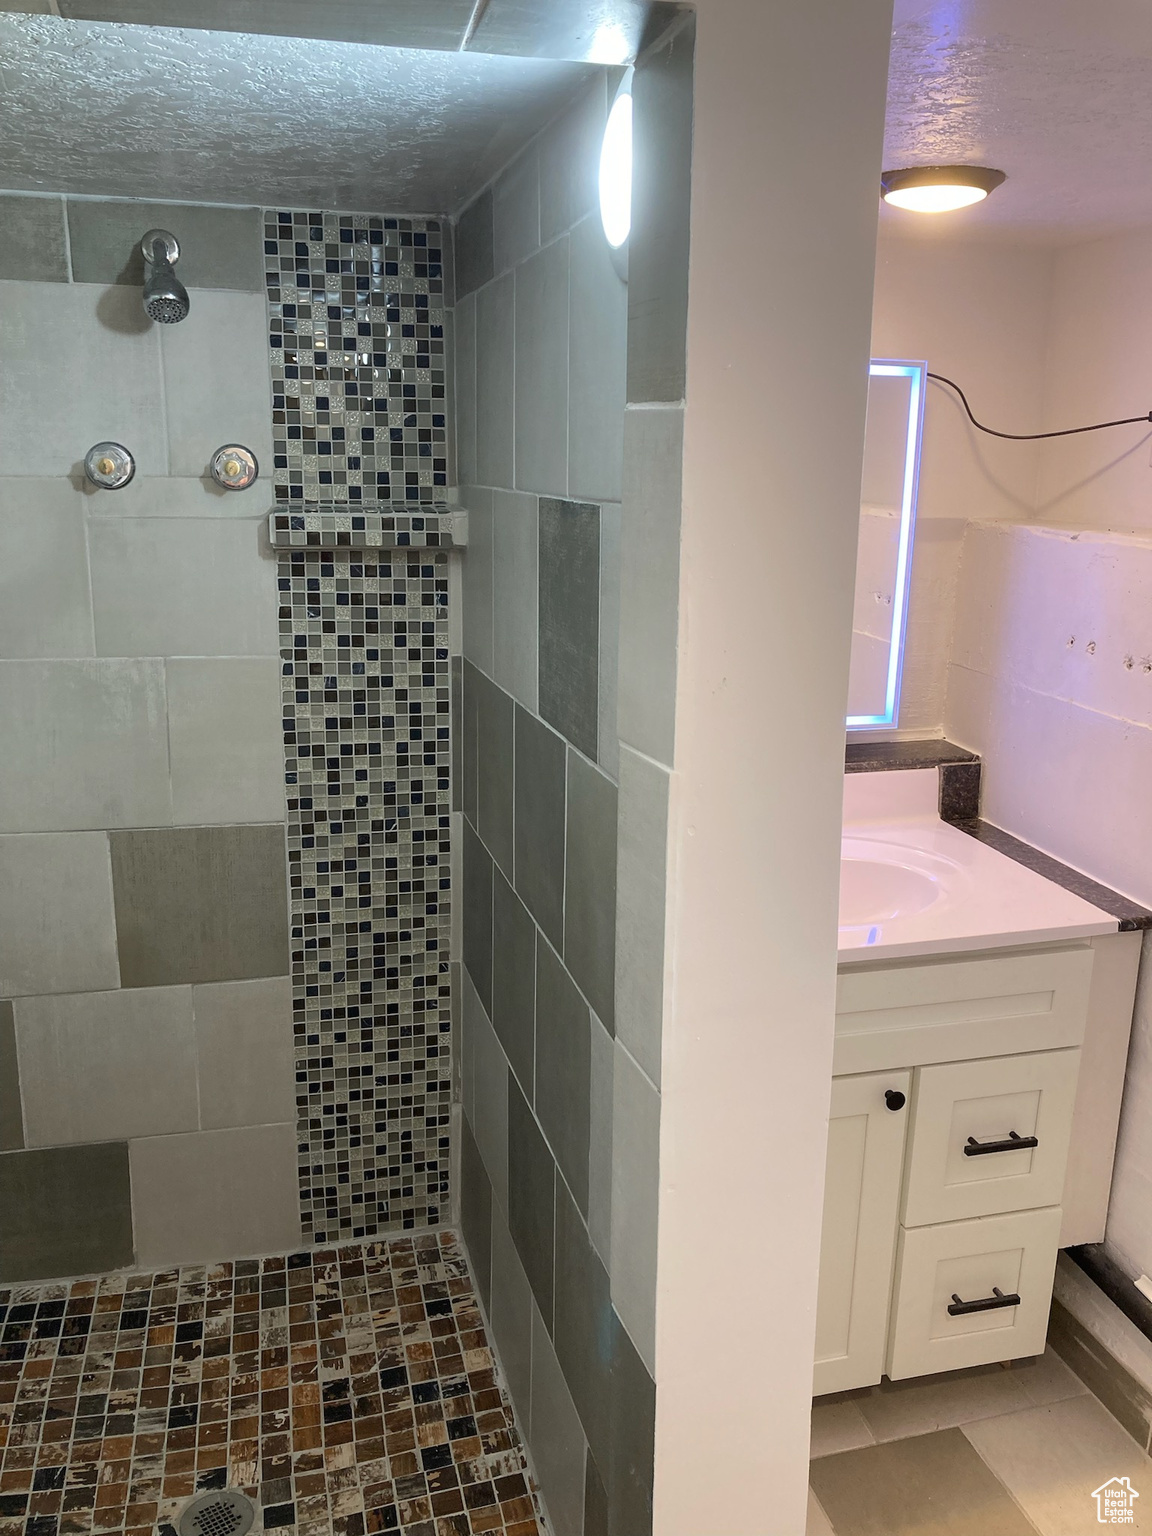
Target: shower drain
223 1512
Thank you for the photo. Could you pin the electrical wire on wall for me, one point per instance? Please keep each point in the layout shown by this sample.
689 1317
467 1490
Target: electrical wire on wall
1031 437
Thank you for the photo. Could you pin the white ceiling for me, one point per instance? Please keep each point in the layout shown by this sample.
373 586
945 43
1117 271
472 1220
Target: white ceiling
1057 93
139 111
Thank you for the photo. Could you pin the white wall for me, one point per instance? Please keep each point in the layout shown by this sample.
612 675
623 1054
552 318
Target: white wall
1051 669
1099 368
977 313
786 98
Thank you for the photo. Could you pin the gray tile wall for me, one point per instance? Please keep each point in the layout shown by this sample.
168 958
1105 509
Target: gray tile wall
147 1100
541 391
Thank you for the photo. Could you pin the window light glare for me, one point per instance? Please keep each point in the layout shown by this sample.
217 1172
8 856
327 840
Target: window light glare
935 199
616 172
939 188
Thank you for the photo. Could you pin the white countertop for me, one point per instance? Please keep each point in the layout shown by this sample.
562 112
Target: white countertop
913 885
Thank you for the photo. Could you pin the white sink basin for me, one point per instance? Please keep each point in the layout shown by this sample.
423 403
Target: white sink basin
912 885
874 892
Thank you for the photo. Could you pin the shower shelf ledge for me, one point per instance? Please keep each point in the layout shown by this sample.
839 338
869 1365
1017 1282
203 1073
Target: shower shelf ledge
368 525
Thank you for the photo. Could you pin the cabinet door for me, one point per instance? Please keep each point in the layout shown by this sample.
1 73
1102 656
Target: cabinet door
861 1200
962 1159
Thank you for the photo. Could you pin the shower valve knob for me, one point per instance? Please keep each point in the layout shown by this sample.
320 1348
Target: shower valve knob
234 467
109 466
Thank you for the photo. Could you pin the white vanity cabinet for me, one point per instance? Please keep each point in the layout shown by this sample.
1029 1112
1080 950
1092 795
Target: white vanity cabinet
964 1088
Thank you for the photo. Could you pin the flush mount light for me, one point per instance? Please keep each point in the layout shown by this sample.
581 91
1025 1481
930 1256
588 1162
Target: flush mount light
616 169
939 188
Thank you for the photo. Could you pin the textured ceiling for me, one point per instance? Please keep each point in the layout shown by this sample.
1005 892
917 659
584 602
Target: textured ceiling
597 31
1057 93
224 117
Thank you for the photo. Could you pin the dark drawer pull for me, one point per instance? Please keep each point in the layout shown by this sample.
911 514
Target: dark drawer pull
1014 1143
985 1304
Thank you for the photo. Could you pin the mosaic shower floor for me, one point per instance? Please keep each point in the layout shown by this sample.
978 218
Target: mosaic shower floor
346 1390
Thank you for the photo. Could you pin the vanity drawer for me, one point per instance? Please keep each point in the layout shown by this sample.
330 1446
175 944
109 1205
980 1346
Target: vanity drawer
954 1010
965 1262
961 1160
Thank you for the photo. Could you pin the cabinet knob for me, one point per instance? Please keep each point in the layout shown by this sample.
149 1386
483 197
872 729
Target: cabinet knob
894 1098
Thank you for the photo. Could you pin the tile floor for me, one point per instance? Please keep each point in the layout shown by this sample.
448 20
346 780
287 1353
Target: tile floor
1000 1451
348 1390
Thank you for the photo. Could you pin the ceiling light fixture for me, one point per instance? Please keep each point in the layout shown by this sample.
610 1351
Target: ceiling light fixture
939 188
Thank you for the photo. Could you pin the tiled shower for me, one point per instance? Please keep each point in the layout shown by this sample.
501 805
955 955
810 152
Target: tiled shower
309 859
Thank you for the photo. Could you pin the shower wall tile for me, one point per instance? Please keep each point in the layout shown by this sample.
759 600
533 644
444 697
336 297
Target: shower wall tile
495 371
32 243
200 904
650 575
608 740
212 1194
569 588
661 198
365 648
470 718
539 823
510 1314
225 736
183 587
45 600
245 1061
488 1106
531 1198
207 405
85 745
598 331
357 347
106 1066
11 1112
584 1324
603 1072
590 885
565 377
477 898
570 162
541 372
464 333
635 1202
596 1518
515 641
219 247
494 795
57 922
106 336
65 1211
633 1431
556 1436
457 685
474 246
563 1070
641 875
516 211
169 496
479 615
476 1211
514 979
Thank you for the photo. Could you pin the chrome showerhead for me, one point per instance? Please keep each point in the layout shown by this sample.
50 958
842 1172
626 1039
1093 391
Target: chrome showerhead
165 296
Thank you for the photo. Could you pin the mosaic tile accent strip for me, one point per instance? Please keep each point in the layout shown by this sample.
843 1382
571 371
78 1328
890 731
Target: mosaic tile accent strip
367 712
348 1390
359 374
383 525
